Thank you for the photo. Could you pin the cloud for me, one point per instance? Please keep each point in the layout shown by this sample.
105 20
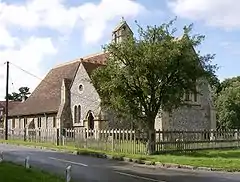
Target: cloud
25 19
96 17
57 16
6 39
28 57
232 47
219 13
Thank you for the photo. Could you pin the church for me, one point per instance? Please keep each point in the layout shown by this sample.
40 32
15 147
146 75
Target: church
66 98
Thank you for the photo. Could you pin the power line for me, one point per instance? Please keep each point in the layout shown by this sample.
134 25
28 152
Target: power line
26 71
47 81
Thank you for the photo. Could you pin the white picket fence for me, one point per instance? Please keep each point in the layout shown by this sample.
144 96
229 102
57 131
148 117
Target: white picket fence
128 141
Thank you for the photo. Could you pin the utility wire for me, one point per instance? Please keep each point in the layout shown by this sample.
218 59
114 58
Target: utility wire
46 81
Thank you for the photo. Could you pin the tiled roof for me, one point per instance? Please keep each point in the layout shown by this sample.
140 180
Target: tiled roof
11 104
99 58
47 96
93 62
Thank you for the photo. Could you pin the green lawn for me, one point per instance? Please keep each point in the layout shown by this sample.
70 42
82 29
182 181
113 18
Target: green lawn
15 173
225 159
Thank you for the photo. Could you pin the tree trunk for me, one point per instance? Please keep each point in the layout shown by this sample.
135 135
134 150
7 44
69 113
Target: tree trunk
151 138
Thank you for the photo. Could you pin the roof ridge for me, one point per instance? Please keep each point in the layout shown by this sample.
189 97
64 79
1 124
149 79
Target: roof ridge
78 59
67 63
93 55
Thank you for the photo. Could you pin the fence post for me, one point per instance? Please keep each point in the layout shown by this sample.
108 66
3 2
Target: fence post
68 173
58 136
27 162
25 134
236 134
112 131
211 135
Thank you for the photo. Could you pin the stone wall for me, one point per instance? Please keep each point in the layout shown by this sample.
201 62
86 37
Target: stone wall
87 97
195 116
64 117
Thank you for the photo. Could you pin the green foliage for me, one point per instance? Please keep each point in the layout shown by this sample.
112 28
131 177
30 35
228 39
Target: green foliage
228 104
23 92
152 72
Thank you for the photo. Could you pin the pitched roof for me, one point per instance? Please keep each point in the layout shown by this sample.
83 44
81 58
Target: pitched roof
120 25
93 62
11 104
89 67
99 58
46 97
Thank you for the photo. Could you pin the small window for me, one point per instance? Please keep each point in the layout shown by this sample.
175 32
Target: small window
79 114
80 88
187 96
195 97
115 37
75 114
39 123
13 123
25 122
54 122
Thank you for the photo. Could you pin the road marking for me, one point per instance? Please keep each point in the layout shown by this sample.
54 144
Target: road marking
139 177
71 162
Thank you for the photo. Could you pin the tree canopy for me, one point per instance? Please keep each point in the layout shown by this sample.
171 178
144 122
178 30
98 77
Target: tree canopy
227 103
151 72
17 96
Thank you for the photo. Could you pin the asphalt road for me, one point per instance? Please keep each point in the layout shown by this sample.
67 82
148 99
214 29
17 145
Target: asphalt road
89 169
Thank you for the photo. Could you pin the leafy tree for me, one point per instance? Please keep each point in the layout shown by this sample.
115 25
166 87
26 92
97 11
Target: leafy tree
228 104
227 83
23 92
151 73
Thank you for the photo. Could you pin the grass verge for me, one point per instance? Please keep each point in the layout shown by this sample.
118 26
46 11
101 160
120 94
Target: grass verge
10 172
224 159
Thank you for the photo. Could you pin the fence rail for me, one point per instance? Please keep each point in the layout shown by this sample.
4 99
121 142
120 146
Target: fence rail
129 141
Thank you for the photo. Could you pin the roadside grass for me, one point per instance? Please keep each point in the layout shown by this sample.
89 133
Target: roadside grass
225 159
10 172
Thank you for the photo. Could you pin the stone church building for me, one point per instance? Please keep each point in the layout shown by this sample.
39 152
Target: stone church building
66 98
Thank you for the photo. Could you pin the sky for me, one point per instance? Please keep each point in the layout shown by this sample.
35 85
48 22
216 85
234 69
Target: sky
36 35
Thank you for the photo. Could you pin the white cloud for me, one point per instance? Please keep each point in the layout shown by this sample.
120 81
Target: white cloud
92 18
219 13
6 40
28 57
55 15
96 17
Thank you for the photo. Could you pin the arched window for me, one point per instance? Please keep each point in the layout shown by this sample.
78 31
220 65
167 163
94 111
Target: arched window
75 114
90 120
79 114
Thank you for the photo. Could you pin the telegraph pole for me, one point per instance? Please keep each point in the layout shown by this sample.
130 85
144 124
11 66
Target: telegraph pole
6 109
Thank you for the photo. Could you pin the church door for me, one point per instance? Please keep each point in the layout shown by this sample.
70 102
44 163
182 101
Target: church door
91 121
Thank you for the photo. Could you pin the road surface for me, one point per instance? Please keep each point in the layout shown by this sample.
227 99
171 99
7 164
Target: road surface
89 169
